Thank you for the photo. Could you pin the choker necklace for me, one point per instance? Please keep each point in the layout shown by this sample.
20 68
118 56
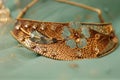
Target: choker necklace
66 41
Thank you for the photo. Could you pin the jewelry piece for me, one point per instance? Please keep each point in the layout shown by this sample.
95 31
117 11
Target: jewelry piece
66 41
4 13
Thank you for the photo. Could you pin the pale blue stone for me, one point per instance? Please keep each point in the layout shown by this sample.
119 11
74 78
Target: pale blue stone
75 25
85 32
82 43
35 33
71 43
66 33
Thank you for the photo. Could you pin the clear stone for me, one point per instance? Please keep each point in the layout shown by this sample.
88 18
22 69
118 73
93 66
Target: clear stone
34 26
26 25
42 27
17 27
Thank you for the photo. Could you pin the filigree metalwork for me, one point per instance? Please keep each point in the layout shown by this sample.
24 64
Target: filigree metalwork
54 39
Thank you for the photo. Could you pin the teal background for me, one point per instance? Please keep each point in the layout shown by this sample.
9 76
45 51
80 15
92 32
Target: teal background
18 63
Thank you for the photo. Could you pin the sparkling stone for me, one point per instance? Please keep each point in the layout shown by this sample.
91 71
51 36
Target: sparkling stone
85 31
66 33
34 26
82 43
42 27
71 43
17 27
26 25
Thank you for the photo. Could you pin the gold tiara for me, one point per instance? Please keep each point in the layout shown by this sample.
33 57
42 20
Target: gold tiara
66 41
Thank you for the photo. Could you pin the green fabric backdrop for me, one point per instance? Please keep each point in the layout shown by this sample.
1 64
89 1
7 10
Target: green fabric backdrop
18 63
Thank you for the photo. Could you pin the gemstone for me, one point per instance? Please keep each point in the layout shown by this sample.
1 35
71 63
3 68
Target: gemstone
82 43
42 27
71 43
17 27
26 24
34 26
85 32
66 33
35 33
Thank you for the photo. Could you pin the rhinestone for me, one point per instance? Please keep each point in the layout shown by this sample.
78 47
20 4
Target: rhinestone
26 25
34 26
42 27
17 27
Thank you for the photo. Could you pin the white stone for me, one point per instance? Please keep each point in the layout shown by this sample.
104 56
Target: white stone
17 27
26 25
34 26
42 27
